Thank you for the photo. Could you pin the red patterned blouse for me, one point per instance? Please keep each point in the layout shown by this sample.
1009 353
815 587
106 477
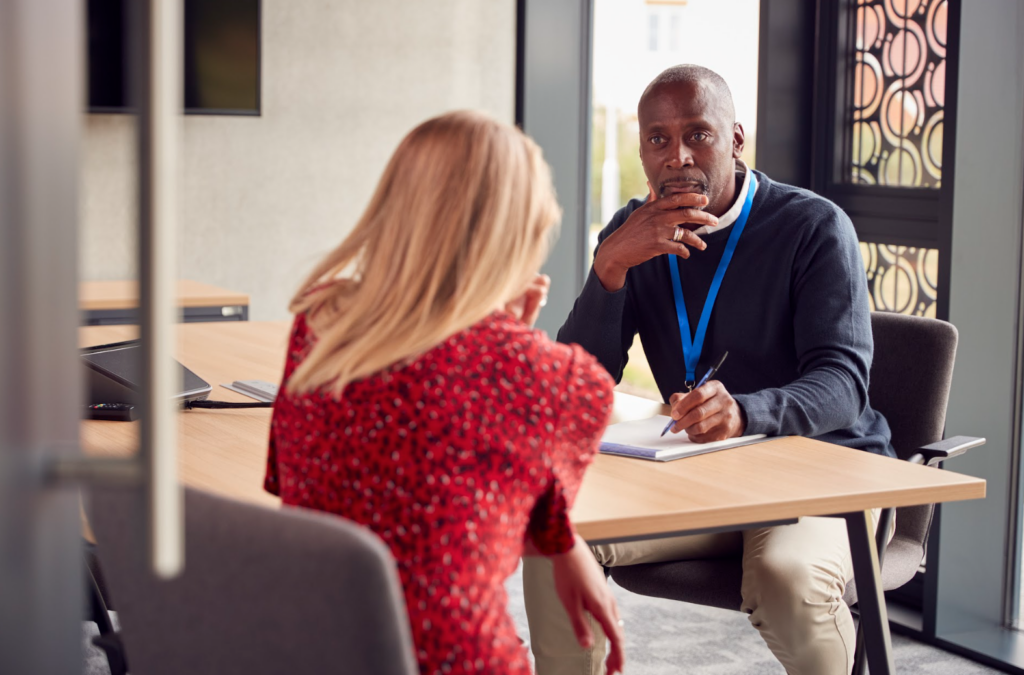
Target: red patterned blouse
452 459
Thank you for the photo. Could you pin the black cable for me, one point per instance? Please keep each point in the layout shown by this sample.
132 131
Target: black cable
222 405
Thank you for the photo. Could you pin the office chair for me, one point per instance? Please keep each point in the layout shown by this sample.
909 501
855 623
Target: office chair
98 611
909 384
264 592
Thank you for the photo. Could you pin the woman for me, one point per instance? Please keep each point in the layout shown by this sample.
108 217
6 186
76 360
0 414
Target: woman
418 402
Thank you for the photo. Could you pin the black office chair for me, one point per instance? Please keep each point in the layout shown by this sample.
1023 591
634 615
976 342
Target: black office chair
910 380
98 611
263 592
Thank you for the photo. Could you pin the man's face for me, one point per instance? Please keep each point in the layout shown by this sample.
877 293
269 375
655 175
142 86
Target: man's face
689 143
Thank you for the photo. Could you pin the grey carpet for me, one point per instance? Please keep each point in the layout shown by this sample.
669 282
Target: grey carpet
669 638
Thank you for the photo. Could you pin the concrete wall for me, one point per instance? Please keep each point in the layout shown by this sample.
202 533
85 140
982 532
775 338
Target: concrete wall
264 197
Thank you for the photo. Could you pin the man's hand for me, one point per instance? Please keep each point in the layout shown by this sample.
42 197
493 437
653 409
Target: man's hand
527 306
649 232
707 414
582 588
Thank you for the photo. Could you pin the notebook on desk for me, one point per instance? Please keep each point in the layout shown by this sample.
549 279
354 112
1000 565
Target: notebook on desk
641 438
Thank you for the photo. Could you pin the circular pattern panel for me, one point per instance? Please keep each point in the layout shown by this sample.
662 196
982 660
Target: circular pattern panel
936 27
903 54
932 145
867 85
895 127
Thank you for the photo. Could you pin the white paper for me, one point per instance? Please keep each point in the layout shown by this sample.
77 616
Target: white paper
642 438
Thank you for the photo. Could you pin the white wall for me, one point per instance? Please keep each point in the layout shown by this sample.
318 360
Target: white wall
264 197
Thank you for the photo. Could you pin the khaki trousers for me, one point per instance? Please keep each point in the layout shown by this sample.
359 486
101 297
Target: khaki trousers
794 577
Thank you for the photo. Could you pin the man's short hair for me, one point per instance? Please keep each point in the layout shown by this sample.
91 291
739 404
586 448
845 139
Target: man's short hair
696 75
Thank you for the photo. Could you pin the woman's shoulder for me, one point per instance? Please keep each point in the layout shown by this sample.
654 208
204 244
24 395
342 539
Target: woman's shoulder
504 334
572 384
530 360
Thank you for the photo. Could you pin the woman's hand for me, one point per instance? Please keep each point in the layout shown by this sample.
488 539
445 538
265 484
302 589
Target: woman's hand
582 588
527 306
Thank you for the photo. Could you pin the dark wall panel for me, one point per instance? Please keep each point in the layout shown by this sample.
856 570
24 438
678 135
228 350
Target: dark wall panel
785 86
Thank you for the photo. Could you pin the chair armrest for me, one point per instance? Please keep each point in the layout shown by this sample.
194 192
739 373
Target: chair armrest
940 451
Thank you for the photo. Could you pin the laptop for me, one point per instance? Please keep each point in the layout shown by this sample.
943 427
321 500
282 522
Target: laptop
113 372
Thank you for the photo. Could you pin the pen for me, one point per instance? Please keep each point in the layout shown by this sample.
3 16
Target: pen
707 376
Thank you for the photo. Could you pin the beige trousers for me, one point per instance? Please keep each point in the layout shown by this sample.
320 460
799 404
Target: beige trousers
794 577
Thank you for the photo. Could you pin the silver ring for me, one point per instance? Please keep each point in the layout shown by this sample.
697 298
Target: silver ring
678 234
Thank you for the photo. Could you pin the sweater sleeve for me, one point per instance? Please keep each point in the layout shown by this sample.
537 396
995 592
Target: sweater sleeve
584 409
832 329
600 321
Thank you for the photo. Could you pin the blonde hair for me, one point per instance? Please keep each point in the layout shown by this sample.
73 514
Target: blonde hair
460 222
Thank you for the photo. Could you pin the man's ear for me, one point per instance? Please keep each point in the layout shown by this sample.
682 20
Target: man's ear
738 139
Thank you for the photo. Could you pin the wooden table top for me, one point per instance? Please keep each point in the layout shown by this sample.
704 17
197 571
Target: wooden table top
224 452
106 295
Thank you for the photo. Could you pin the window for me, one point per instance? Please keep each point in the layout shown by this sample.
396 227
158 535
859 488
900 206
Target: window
652 32
880 153
898 94
896 118
901 279
885 166
674 29
623 64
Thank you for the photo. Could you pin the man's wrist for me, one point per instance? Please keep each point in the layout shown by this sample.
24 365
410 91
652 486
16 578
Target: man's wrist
742 414
611 276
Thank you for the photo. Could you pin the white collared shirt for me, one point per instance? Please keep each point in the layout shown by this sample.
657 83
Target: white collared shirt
730 216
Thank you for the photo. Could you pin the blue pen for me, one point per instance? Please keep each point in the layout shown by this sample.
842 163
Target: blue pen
707 376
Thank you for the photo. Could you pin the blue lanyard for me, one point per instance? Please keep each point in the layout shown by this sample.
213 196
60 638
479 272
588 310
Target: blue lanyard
692 347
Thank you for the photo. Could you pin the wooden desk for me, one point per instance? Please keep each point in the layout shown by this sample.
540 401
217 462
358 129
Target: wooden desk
221 451
106 303
224 451
779 480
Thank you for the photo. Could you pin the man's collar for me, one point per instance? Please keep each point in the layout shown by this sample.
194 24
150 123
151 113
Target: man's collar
730 216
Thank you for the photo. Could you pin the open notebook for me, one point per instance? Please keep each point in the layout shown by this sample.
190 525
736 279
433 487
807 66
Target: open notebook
642 439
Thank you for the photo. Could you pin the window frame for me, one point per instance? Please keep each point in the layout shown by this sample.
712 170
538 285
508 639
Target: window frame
904 216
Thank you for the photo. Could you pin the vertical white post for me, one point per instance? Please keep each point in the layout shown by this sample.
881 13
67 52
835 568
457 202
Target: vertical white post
159 93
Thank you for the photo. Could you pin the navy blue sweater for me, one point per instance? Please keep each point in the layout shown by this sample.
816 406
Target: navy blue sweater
792 312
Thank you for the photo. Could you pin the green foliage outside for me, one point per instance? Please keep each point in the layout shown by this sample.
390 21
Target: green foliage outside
636 378
632 181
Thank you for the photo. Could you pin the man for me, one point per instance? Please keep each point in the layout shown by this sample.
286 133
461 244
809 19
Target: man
773 275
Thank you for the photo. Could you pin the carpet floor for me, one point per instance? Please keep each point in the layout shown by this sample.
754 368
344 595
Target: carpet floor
668 638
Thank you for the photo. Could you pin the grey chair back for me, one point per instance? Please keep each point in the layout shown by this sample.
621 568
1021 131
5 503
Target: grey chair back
911 374
264 592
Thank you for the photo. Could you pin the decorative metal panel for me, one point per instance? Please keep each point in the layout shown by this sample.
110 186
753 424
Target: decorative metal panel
897 93
901 279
